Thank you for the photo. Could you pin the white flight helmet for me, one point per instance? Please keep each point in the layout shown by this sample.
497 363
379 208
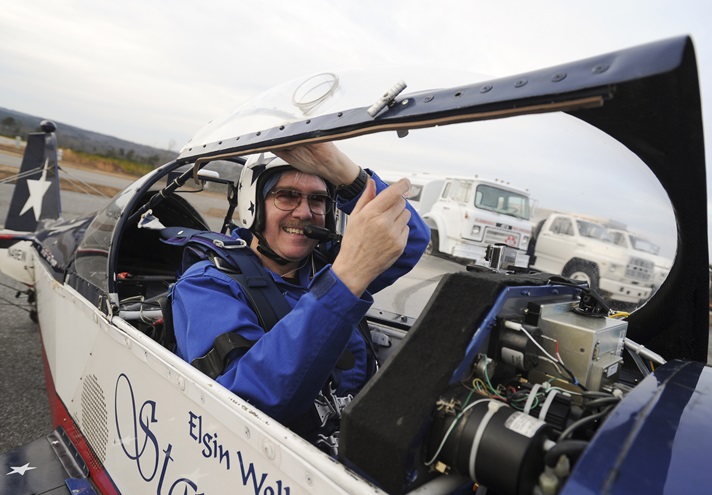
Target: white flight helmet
250 202
250 193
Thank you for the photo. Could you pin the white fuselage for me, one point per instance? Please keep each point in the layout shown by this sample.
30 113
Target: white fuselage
157 425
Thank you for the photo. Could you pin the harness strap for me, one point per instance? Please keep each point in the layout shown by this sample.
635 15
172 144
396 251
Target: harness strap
372 363
266 300
168 336
226 347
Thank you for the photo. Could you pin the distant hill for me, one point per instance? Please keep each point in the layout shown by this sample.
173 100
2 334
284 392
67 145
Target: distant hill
14 123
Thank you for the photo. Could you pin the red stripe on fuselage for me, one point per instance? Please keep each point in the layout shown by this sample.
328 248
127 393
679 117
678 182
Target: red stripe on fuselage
60 417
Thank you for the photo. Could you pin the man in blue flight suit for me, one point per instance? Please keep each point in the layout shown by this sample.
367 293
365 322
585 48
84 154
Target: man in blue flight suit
305 369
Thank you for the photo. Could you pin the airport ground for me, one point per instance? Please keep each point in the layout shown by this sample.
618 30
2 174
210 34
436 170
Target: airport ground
24 408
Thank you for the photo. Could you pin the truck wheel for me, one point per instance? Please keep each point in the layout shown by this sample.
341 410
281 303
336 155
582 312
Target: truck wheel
432 248
586 272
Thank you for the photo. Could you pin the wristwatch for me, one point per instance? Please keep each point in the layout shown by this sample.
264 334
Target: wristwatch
350 191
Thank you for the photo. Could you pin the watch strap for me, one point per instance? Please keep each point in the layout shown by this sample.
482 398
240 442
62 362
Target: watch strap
350 191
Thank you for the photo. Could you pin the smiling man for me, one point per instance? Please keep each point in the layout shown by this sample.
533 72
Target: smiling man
307 367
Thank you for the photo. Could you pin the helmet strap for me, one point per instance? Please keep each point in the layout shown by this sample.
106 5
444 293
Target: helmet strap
264 249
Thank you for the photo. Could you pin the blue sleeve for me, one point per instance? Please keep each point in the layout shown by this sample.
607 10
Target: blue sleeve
418 238
287 367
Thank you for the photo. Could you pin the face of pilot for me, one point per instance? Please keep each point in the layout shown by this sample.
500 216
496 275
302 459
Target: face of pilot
284 230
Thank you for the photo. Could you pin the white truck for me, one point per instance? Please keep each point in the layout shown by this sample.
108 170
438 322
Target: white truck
638 245
581 249
467 214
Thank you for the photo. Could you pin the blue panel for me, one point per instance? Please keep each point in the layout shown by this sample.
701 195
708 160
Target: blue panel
80 486
49 465
657 441
32 468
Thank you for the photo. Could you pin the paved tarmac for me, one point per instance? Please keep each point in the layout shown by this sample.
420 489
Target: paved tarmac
23 399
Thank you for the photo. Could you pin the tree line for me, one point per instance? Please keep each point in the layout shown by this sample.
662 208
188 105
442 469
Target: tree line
87 142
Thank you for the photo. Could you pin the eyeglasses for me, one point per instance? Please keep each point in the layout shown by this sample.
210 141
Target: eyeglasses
289 200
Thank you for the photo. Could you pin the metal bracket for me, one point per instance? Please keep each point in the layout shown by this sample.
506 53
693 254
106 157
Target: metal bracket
387 99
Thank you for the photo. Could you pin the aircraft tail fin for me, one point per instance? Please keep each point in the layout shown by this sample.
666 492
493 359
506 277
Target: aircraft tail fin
36 194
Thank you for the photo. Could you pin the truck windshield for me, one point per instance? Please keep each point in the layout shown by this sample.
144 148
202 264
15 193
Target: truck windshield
640 244
502 201
593 230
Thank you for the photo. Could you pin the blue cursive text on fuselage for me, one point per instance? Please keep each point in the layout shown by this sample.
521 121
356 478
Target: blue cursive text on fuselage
140 443
213 449
136 427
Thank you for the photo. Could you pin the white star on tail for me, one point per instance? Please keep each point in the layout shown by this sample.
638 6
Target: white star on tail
21 470
38 188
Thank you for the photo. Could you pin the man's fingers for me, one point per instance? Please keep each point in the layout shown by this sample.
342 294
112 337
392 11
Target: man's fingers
398 189
392 197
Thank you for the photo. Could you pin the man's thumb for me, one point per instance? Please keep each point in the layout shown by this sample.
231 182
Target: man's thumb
369 192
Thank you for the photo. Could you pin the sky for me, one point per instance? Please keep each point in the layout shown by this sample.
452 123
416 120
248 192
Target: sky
155 72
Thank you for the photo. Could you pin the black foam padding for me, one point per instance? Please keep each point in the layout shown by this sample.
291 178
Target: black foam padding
382 428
